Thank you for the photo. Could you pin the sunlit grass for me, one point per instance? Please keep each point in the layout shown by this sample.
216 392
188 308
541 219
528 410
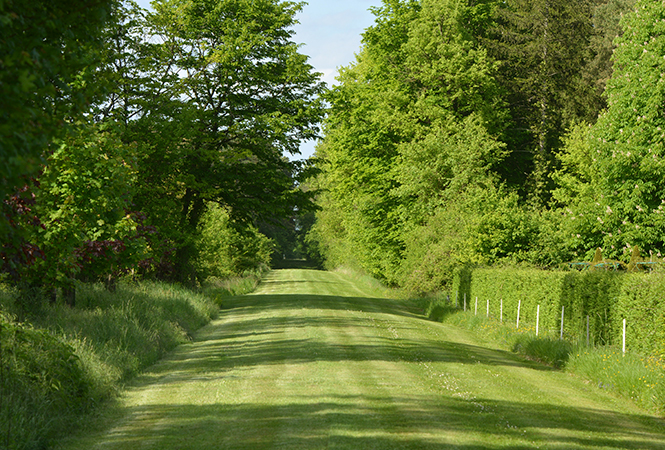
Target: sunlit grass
641 379
317 360
638 378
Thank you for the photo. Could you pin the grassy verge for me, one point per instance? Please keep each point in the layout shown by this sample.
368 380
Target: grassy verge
219 288
56 369
634 377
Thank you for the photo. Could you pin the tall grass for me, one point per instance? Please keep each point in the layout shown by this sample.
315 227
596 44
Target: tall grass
219 288
57 369
634 377
641 379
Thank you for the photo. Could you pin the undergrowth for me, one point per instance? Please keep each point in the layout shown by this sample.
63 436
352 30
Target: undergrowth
640 379
55 370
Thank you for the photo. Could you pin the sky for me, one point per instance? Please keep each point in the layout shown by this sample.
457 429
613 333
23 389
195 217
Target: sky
331 32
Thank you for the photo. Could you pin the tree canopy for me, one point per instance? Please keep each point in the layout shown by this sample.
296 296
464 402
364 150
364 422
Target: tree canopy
465 132
474 132
128 132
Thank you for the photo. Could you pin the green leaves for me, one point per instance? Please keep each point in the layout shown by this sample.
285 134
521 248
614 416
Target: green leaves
46 46
410 129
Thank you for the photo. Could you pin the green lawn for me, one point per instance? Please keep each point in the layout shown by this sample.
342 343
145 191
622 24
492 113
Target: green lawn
317 360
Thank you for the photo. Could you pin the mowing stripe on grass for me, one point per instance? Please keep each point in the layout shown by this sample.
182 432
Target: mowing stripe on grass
317 360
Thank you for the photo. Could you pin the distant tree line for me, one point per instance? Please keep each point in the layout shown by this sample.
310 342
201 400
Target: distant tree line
134 141
487 131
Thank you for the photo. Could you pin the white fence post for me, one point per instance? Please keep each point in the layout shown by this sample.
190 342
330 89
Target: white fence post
476 312
488 309
624 337
537 319
501 311
519 305
562 309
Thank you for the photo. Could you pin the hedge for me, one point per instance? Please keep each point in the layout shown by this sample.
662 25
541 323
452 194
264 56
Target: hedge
606 297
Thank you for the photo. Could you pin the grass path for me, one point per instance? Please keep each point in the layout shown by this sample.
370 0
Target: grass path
314 360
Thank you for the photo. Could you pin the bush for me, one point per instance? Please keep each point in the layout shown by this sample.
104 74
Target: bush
640 301
523 287
227 249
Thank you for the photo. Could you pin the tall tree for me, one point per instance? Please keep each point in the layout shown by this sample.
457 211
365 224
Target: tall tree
396 146
367 120
226 95
615 171
542 46
47 53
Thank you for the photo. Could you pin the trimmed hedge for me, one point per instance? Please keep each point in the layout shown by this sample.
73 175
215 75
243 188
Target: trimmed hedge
642 303
605 297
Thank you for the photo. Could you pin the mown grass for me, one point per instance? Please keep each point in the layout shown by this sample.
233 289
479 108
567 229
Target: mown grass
638 378
319 360
55 370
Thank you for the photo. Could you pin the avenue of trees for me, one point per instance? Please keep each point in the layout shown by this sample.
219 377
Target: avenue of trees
466 132
487 131
150 143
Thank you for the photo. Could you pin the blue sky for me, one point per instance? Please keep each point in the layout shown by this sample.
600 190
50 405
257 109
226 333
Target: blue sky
330 31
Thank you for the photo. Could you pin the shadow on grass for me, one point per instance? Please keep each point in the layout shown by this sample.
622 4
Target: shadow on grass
296 264
360 422
245 345
245 337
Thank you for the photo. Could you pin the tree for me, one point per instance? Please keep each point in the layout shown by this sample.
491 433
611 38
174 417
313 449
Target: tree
48 51
227 94
367 120
617 163
542 47
411 125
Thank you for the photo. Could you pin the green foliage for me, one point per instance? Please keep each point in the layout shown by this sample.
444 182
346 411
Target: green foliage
605 297
42 383
593 294
85 196
215 120
435 250
531 287
137 120
542 47
640 302
48 50
409 131
229 249
610 184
